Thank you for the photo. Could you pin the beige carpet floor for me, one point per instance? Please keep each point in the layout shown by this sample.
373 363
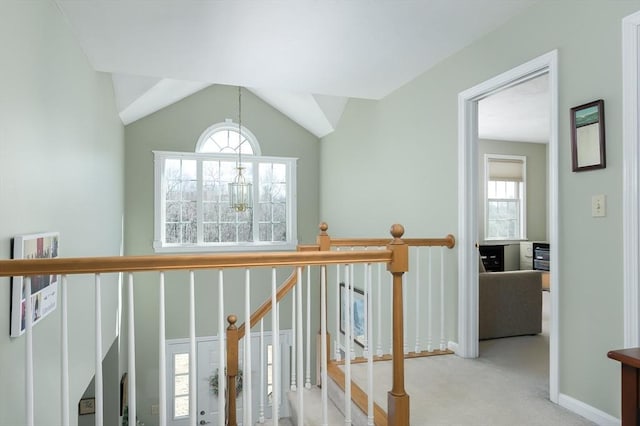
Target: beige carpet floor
507 385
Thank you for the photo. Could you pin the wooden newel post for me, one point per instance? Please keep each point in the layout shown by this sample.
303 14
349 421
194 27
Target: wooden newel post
323 240
397 398
232 369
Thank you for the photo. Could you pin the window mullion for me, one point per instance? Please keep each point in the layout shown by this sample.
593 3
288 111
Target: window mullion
271 212
256 200
199 201
220 183
163 201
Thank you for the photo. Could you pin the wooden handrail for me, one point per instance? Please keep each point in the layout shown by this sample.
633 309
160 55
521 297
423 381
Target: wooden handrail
94 265
449 241
265 308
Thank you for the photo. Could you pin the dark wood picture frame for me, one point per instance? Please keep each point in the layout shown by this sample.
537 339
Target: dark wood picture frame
360 321
124 393
87 406
588 136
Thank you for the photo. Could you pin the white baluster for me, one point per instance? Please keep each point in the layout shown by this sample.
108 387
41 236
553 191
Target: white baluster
248 415
299 353
347 350
443 342
132 350
28 329
162 377
65 352
337 315
369 319
99 416
275 369
307 381
323 343
379 351
294 337
417 321
365 350
193 384
430 306
222 365
262 381
352 280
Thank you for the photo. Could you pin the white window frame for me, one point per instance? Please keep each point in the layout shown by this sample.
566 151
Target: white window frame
229 124
523 196
159 244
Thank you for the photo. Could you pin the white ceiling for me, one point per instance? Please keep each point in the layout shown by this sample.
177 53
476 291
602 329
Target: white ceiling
519 113
305 57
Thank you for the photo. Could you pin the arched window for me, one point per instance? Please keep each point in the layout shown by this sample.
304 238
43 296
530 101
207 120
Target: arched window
192 207
224 138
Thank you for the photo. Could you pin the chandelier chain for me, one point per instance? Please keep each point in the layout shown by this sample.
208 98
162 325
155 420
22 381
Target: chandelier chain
239 126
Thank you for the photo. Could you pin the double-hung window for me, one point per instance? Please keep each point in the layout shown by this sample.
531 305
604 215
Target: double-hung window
192 205
505 206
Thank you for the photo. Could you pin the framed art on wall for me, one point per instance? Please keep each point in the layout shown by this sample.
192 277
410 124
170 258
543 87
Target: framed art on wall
359 324
587 136
87 406
44 288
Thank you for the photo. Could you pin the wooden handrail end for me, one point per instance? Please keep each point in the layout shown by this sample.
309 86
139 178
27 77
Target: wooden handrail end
451 241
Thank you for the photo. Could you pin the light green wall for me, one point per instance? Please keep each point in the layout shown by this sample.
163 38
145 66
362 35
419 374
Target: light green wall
61 169
536 191
400 154
177 128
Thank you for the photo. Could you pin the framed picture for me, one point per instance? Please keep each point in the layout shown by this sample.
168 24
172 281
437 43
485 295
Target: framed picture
87 406
124 392
359 325
44 288
587 136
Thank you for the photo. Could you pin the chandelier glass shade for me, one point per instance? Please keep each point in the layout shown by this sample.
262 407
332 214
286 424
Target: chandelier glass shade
240 192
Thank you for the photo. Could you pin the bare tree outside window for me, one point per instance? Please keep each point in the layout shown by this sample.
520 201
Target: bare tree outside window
194 203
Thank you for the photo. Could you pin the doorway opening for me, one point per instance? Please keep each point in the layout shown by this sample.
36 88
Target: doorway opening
470 198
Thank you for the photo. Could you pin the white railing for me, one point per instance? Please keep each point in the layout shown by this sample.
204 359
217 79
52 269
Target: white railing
311 274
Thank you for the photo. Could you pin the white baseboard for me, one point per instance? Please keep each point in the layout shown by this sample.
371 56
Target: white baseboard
452 346
587 411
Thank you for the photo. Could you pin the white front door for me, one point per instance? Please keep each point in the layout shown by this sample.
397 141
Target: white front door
207 361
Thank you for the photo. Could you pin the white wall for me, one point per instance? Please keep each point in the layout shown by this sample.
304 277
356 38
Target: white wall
400 156
61 169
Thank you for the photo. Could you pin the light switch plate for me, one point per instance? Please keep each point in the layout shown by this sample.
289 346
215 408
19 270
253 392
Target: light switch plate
598 206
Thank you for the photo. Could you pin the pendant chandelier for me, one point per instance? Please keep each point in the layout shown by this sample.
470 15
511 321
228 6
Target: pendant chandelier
240 190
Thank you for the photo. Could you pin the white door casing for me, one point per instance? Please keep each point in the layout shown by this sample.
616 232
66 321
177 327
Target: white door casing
467 345
631 177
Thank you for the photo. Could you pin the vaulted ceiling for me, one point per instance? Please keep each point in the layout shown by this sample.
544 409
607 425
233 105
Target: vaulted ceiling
304 57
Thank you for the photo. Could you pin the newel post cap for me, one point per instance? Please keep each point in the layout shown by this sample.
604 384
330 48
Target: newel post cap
400 261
